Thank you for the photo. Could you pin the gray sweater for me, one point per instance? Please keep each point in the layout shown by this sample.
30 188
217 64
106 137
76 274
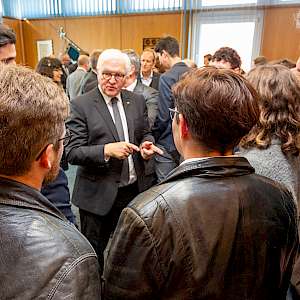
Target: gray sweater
272 163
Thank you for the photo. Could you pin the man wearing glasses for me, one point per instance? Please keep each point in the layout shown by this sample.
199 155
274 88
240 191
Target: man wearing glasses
42 255
111 144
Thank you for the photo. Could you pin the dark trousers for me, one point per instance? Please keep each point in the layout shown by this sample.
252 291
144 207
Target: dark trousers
97 229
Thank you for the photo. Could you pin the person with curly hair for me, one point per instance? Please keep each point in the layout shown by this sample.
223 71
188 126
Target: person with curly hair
272 146
226 58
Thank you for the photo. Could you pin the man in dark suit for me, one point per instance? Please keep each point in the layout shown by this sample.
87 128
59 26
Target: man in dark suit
168 53
111 144
90 80
147 75
132 84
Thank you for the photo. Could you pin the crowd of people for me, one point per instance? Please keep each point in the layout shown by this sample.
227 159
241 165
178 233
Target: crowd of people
187 177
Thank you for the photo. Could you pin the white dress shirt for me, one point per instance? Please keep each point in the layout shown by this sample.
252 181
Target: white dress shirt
132 86
147 81
107 99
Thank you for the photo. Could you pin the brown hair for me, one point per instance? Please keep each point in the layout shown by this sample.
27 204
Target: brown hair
279 109
219 106
228 55
32 114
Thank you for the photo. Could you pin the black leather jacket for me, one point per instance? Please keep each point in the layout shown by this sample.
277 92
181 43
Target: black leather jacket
213 230
42 256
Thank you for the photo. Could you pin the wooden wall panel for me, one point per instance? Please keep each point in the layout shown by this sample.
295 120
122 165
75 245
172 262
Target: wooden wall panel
16 25
95 32
136 27
99 32
40 30
281 38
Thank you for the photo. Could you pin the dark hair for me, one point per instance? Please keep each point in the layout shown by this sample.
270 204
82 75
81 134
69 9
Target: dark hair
279 101
169 44
208 56
228 55
47 65
7 35
219 106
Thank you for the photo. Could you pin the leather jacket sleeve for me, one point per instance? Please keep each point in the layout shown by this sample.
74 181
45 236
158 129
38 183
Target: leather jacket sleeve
80 280
132 269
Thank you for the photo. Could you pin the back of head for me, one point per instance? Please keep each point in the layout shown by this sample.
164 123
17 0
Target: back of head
284 62
260 60
7 35
33 110
228 54
168 44
83 60
47 65
219 106
113 55
94 58
279 101
134 60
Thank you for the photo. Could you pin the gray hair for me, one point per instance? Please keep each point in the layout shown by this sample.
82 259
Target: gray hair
134 60
113 54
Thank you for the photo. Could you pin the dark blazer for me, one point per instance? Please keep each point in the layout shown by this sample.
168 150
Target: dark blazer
162 129
88 82
151 96
212 230
92 127
155 81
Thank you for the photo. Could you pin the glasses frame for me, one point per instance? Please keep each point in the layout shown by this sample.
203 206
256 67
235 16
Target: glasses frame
173 112
66 140
108 76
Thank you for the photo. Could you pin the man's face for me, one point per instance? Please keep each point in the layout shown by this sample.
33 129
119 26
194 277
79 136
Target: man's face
8 54
147 62
164 60
112 77
221 64
66 60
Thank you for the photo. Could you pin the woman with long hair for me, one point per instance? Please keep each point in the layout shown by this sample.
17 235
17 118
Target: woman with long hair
273 145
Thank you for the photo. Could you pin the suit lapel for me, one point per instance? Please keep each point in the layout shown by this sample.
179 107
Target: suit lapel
128 112
104 112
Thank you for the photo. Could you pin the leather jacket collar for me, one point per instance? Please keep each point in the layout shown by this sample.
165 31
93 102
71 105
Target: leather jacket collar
20 195
224 166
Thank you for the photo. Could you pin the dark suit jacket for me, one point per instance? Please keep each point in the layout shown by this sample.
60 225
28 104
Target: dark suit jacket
92 127
155 81
151 96
88 82
162 128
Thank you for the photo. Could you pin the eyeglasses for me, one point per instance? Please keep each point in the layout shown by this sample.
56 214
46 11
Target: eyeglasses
108 76
173 112
66 140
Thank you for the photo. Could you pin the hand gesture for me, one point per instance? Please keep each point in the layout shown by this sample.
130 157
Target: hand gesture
119 150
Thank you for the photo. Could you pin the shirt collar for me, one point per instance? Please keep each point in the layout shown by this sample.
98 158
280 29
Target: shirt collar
106 98
151 75
132 86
